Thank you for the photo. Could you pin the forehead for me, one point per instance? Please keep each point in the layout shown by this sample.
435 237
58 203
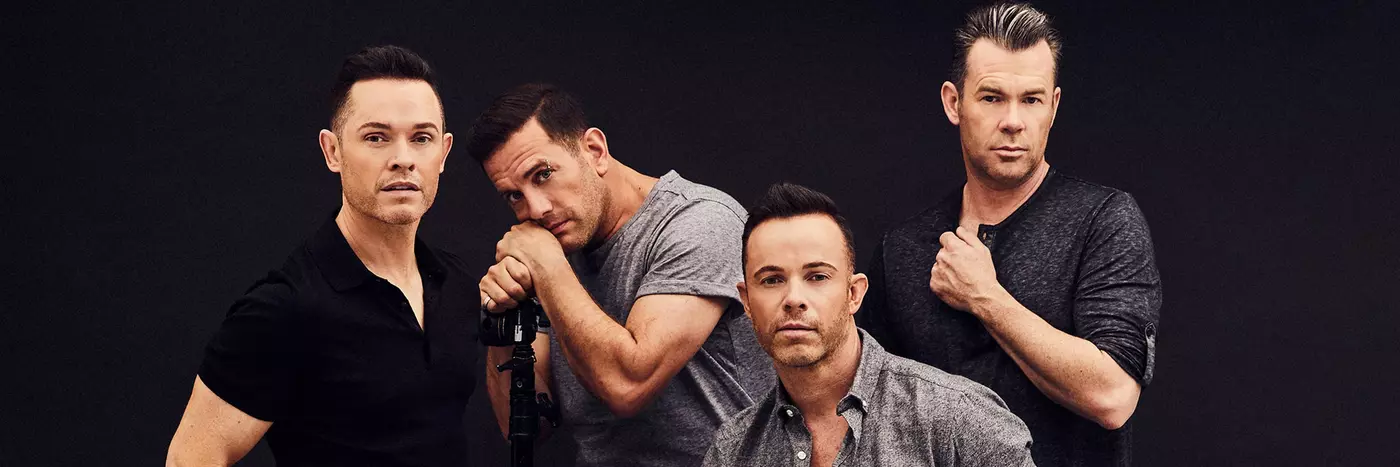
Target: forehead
793 241
523 149
393 101
987 59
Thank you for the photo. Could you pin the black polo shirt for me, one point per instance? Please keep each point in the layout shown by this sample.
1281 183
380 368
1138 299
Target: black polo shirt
1077 254
333 356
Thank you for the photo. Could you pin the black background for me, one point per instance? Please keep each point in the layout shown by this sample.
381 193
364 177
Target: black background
167 158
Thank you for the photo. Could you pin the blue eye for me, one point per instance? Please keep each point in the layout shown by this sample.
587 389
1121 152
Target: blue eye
422 139
819 277
543 175
513 197
1032 100
375 138
771 280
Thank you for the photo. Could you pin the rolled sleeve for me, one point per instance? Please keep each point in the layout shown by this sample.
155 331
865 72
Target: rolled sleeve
1118 300
251 362
697 253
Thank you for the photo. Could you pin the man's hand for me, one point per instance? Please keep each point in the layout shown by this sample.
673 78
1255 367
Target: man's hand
505 284
963 272
532 245
526 248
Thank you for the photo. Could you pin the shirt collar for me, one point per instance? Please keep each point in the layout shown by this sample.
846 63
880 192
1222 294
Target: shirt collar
344 270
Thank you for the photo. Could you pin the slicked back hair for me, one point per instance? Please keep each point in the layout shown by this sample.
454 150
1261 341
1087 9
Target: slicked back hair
381 62
1011 26
559 113
787 200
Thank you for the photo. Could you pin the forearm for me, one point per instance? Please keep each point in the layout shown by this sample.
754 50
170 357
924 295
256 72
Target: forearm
1069 370
604 354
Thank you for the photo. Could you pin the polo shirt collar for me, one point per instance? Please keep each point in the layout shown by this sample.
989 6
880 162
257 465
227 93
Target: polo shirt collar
344 270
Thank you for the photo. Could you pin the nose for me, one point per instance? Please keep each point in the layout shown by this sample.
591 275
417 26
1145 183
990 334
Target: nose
402 157
537 206
795 301
1013 123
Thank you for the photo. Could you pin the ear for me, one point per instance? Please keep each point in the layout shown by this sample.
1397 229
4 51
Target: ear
595 148
859 285
1054 106
446 149
744 298
330 148
949 95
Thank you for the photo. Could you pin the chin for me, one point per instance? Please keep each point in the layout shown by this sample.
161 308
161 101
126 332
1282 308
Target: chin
797 357
399 215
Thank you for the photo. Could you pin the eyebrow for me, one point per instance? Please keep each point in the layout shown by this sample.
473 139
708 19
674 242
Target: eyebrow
385 126
811 265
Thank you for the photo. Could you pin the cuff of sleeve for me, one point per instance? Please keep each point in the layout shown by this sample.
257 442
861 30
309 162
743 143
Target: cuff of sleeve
227 391
1136 355
677 287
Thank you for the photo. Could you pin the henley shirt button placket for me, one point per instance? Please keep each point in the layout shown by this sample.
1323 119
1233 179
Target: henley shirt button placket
801 455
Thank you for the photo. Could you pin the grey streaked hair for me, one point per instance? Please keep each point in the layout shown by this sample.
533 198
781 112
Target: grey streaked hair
1011 26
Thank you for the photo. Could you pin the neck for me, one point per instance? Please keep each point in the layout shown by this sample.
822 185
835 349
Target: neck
986 203
818 388
385 249
627 190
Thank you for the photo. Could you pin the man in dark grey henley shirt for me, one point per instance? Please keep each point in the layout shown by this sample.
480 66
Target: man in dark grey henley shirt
841 399
1039 285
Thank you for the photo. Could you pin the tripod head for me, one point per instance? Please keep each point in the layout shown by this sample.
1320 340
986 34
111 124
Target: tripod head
517 328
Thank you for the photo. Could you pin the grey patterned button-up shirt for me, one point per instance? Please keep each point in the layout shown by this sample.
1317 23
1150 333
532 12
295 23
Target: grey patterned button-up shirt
901 413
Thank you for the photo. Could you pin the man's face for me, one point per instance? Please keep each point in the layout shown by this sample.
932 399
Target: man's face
390 150
1004 112
799 288
551 185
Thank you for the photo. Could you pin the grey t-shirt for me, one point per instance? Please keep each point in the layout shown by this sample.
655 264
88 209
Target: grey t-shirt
899 412
685 239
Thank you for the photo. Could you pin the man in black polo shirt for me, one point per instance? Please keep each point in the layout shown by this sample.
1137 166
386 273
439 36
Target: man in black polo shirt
360 349
1036 284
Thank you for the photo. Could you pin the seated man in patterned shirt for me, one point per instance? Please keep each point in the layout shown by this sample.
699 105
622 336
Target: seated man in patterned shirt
841 399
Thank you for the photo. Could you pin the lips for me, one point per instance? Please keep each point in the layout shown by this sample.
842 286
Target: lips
557 227
400 186
795 327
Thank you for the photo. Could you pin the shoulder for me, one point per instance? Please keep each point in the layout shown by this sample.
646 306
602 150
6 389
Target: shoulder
1100 200
744 426
685 196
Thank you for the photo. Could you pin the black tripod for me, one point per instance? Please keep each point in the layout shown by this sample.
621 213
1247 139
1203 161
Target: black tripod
517 328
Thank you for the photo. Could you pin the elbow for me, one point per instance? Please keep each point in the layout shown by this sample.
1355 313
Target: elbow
1112 408
626 400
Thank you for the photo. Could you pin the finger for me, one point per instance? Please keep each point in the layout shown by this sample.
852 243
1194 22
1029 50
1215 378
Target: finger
498 296
502 278
950 240
969 237
501 249
519 272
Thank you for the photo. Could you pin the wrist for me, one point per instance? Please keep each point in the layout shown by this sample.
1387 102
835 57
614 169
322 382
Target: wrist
984 305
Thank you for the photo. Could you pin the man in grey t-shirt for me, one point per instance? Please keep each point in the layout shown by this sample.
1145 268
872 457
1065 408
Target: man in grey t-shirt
649 351
841 399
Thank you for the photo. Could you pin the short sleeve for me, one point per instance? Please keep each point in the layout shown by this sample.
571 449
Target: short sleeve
251 362
698 252
1119 293
988 434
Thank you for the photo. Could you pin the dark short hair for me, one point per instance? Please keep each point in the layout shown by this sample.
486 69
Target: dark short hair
786 200
382 62
1011 26
558 112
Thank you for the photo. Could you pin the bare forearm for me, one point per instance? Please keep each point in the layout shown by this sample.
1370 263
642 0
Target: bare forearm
602 352
1069 370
